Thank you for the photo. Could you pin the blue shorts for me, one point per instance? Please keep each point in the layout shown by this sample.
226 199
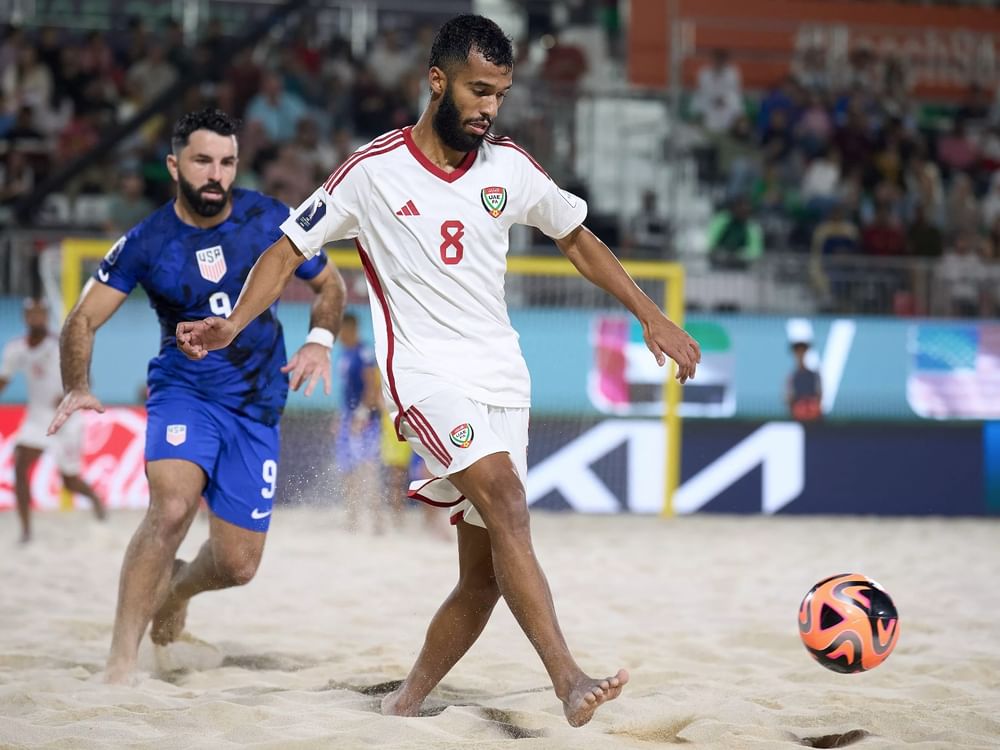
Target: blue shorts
238 455
355 447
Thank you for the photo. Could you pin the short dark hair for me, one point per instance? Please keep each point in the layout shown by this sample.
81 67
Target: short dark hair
462 34
351 318
204 119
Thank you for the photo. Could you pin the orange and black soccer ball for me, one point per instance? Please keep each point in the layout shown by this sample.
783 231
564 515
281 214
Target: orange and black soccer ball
848 623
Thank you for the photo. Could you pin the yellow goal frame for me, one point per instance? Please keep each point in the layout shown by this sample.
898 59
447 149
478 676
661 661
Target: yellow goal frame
75 251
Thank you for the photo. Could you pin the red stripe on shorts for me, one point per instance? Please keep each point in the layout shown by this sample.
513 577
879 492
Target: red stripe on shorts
415 414
428 439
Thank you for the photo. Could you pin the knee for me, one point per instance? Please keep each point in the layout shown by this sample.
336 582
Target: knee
169 515
236 570
505 509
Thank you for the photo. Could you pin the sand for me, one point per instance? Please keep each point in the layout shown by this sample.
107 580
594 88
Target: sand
701 610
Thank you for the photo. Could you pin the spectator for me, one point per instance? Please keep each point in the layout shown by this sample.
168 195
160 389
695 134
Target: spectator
853 139
991 203
815 126
16 177
811 72
28 82
276 109
956 151
150 76
923 239
820 181
884 236
389 59
735 238
649 230
372 106
961 275
719 96
318 153
804 391
962 206
835 236
129 205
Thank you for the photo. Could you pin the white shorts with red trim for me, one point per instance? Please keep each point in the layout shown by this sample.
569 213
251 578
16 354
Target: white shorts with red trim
451 432
66 445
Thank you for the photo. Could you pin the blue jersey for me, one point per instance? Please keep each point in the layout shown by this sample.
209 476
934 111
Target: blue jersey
191 273
353 363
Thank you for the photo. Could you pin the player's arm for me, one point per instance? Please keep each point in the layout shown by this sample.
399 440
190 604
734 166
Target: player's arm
598 265
312 361
264 284
97 303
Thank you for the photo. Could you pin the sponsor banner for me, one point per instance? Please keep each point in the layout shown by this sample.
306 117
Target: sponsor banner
616 465
942 50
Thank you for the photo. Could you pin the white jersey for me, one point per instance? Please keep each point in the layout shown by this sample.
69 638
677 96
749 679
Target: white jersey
434 249
40 364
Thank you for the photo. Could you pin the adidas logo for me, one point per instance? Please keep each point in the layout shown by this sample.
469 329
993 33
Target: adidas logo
408 210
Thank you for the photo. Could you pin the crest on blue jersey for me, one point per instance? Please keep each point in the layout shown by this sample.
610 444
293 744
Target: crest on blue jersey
211 263
176 433
312 215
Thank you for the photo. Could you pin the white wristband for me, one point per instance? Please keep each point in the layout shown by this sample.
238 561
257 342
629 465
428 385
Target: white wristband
320 336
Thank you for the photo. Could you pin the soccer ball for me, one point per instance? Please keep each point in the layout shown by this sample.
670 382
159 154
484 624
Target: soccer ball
848 623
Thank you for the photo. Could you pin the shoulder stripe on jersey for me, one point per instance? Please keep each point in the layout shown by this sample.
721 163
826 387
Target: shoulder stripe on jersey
376 286
508 143
377 143
340 174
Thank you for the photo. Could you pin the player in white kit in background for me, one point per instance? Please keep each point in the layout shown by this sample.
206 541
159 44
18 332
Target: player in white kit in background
37 356
430 208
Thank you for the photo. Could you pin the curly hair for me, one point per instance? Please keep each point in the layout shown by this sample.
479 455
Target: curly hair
205 119
462 34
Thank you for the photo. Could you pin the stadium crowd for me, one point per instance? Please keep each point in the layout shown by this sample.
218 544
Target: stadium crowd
832 162
845 161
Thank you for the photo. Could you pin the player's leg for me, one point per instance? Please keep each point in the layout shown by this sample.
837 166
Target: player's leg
495 489
68 453
76 484
229 558
240 503
175 488
456 625
24 458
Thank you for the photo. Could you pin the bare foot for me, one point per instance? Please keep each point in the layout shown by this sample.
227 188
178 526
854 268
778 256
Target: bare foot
588 694
119 674
168 622
100 511
25 538
392 706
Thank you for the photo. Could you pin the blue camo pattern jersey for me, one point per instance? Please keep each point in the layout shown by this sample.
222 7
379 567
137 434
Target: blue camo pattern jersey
190 274
353 363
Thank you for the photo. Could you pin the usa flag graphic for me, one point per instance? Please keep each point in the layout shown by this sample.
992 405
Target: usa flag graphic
211 263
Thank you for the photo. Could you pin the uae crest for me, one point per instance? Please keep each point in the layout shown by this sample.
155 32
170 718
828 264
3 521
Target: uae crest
461 436
494 200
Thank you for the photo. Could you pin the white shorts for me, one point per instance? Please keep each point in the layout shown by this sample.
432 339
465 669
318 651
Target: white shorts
66 445
451 432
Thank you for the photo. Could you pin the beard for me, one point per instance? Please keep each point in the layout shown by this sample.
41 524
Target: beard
448 125
196 200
